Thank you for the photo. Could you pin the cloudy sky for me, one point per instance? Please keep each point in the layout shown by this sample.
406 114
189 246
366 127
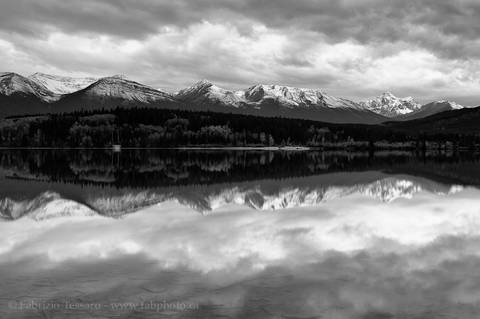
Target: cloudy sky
429 49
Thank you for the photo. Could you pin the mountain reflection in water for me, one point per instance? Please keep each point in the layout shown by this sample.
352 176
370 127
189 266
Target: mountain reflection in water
282 235
114 184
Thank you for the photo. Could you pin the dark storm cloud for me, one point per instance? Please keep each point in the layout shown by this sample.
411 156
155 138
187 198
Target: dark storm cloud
123 18
120 18
444 26
160 43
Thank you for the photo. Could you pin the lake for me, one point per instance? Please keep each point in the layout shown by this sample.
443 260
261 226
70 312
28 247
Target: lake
239 234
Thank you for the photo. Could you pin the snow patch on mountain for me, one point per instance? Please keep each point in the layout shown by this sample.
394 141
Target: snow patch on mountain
385 190
205 91
12 83
296 97
119 87
431 109
451 104
46 206
117 206
389 105
290 97
52 205
61 84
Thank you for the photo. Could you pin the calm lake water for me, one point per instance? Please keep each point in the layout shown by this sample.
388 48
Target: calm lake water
239 234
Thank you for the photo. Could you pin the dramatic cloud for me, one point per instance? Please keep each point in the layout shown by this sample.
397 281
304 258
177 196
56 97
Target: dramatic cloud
353 48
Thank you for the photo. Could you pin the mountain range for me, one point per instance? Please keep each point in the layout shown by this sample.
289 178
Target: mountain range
259 195
391 106
44 93
61 84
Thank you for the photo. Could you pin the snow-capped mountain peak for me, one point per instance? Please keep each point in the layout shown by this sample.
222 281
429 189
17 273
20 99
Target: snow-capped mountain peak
260 195
203 82
387 104
277 100
431 109
289 95
451 104
14 84
119 87
61 84
119 76
45 206
297 97
205 91
206 86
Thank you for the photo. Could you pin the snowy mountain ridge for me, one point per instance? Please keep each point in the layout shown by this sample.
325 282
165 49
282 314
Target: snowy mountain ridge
389 105
296 97
453 105
384 190
119 87
61 84
15 84
204 91
260 100
45 206
286 95
430 109
49 205
51 88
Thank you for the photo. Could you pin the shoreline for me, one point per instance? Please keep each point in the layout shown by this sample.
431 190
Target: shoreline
256 148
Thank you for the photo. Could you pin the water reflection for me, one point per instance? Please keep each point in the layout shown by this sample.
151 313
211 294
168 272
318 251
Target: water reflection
72 182
153 168
284 235
351 258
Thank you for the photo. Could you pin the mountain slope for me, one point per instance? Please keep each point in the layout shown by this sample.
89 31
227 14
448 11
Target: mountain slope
296 97
276 100
45 206
271 194
43 93
430 109
12 84
61 84
22 96
19 95
205 93
460 121
391 106
111 92
310 191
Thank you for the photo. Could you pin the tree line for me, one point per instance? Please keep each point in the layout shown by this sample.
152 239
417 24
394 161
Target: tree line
153 127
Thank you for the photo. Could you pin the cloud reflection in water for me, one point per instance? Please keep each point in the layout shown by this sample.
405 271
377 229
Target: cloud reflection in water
352 257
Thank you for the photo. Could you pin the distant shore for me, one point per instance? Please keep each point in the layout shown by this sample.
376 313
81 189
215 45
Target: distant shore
331 147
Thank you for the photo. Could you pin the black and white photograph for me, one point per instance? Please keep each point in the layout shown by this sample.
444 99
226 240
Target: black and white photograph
257 159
